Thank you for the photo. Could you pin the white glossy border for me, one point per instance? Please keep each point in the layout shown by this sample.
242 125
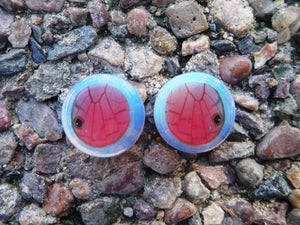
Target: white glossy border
137 115
160 116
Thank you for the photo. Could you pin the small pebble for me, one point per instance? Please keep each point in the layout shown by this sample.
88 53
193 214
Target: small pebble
141 89
262 92
126 4
266 53
98 13
222 46
59 199
81 188
33 186
27 135
213 214
249 172
78 16
12 5
235 69
38 53
294 177
32 214
143 210
293 217
280 142
6 19
195 45
45 5
8 145
247 45
264 8
195 189
282 90
275 214
245 101
10 200
162 3
295 90
186 19
162 41
128 211
284 71
137 22
181 210
162 160
20 34
5 118
294 198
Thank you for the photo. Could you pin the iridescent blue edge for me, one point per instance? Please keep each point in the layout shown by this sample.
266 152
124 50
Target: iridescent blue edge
160 115
137 115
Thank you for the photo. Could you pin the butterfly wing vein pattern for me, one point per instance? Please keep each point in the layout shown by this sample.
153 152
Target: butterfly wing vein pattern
194 113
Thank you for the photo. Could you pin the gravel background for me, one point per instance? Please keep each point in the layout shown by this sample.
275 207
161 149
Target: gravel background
48 45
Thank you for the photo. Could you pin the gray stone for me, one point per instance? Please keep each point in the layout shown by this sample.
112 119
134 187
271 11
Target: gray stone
195 189
38 54
195 220
142 62
293 217
222 46
186 19
76 41
206 62
239 22
232 150
251 123
238 133
264 8
102 210
40 118
37 33
12 5
78 16
81 188
162 192
143 210
246 101
6 20
13 62
247 45
128 211
45 5
32 214
33 186
162 41
162 160
8 145
284 71
49 79
47 157
5 118
10 201
127 180
287 107
20 34
213 214
249 172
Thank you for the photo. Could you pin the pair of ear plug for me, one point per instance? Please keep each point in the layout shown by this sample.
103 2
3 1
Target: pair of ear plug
103 115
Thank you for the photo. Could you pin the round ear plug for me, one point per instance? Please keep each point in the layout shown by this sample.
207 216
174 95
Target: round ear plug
194 112
103 115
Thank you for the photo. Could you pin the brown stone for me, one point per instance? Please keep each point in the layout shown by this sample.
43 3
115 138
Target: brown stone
214 176
99 14
137 22
126 180
234 69
181 210
294 177
186 19
4 117
246 101
294 198
162 160
81 188
27 135
78 16
195 45
45 5
59 199
280 142
20 34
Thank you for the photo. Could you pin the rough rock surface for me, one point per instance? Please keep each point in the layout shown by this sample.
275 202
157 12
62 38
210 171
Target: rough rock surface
32 214
45 5
13 62
8 146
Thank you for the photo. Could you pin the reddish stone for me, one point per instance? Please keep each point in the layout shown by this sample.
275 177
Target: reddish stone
137 22
282 89
126 4
4 117
27 135
262 92
276 216
59 199
143 210
20 34
181 210
99 14
162 160
45 5
295 90
234 69
162 3
280 142
126 180
78 16
214 176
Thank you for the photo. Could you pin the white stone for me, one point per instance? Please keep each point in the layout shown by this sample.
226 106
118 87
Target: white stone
213 214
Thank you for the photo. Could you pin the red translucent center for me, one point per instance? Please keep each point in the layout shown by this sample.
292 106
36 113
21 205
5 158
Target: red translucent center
194 113
100 115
